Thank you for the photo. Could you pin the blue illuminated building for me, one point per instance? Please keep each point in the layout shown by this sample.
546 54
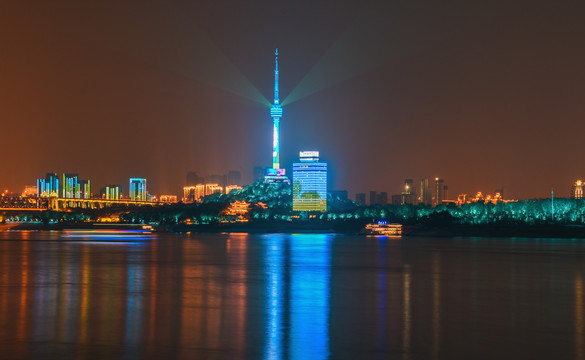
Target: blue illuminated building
276 174
138 189
71 187
49 186
310 183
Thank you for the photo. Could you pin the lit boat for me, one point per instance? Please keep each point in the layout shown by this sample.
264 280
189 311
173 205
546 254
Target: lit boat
382 228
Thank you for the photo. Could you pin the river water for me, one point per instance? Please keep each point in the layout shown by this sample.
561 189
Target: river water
100 295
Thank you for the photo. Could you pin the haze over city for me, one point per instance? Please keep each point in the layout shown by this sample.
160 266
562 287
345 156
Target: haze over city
481 97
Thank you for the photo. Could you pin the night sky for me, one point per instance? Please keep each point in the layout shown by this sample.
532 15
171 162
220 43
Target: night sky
484 94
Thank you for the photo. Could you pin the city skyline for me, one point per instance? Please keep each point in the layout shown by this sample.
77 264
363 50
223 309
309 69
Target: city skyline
479 98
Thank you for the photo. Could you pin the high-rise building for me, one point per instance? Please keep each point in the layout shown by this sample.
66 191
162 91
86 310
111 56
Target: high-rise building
231 188
360 199
577 190
217 179
84 189
234 178
213 189
259 173
70 186
193 179
382 198
112 192
310 183
439 191
408 195
275 174
373 198
137 189
49 186
426 198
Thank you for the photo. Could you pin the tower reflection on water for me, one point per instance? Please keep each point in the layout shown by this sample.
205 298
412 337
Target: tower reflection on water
297 296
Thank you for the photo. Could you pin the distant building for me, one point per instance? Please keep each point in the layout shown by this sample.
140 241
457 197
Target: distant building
397 199
230 188
234 178
373 198
577 190
339 194
408 195
84 189
193 193
29 191
137 189
259 173
168 199
426 198
382 198
309 183
193 178
217 179
71 188
112 192
439 194
49 186
360 199
213 189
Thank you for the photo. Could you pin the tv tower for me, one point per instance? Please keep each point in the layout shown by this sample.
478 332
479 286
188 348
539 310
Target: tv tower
276 114
276 174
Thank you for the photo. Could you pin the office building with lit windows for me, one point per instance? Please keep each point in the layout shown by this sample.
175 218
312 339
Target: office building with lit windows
137 189
426 197
70 188
112 192
310 183
84 189
49 186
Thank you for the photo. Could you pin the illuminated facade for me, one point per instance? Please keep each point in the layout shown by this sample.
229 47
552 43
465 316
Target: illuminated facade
84 189
310 183
230 188
113 192
71 187
439 191
212 189
30 191
577 190
276 174
137 189
49 186
426 198
168 199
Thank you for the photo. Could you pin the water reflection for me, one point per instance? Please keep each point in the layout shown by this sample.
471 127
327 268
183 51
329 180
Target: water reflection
289 297
298 304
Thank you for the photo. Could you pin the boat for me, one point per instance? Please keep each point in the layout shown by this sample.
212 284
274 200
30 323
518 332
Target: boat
382 228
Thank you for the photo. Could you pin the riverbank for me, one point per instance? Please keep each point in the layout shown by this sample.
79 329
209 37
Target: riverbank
340 227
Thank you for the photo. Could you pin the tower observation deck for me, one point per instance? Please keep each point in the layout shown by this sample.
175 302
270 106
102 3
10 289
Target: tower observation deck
276 174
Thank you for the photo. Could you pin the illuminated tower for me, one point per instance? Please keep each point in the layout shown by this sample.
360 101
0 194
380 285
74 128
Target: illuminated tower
276 174
276 113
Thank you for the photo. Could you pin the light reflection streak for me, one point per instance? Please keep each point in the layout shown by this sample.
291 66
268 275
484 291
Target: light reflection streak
309 308
406 313
85 286
436 304
579 321
275 296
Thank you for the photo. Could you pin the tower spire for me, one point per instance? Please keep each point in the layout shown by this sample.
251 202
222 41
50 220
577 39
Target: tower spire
276 100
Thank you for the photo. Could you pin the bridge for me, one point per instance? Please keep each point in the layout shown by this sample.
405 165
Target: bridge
18 203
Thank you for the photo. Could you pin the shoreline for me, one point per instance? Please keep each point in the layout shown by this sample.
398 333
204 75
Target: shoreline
351 228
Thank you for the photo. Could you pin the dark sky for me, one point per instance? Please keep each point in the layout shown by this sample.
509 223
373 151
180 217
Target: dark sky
485 94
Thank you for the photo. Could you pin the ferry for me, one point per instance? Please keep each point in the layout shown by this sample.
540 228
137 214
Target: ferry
382 228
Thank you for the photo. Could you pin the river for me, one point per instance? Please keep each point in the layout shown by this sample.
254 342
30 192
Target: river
103 295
